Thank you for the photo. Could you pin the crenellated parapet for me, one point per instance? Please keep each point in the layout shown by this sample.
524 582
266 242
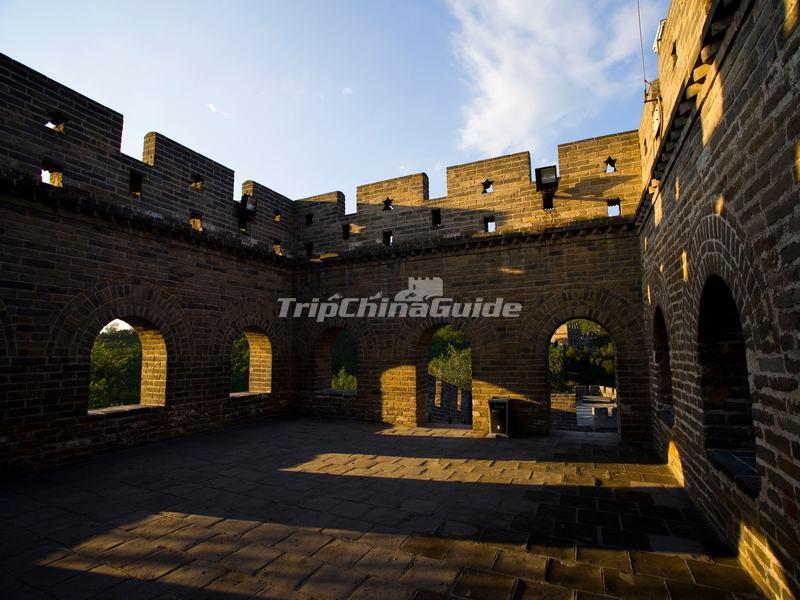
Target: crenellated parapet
485 197
47 127
273 221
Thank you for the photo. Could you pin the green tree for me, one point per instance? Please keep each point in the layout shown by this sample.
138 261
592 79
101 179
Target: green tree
558 379
240 364
443 338
454 367
343 380
574 366
344 359
116 369
450 357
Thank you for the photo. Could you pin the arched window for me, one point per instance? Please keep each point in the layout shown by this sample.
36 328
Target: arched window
448 383
582 376
128 365
727 405
251 363
342 374
663 371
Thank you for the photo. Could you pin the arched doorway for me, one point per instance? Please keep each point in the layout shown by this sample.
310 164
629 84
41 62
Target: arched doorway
444 377
582 378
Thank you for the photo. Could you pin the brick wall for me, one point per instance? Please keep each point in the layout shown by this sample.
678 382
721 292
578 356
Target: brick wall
509 355
727 165
71 264
513 204
711 191
447 403
562 412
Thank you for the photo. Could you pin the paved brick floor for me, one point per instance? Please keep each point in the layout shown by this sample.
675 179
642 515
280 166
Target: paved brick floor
332 509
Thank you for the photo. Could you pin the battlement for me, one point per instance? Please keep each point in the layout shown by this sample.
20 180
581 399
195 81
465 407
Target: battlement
410 190
507 173
48 127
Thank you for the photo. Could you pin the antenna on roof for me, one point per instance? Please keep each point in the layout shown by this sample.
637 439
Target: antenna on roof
641 47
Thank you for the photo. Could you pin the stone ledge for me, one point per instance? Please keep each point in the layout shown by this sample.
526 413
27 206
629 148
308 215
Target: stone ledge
338 393
246 395
667 416
120 411
738 466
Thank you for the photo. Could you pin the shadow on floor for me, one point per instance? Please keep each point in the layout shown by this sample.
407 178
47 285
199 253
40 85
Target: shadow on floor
332 509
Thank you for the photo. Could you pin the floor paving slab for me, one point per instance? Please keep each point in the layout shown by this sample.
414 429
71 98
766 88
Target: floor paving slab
304 509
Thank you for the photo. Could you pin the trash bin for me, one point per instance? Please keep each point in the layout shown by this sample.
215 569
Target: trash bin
498 416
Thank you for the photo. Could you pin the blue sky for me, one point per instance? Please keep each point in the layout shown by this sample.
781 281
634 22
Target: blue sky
309 96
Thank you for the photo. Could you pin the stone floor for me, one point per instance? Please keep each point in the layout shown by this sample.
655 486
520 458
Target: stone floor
332 509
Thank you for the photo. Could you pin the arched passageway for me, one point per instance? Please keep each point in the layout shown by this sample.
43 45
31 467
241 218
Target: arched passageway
444 377
582 378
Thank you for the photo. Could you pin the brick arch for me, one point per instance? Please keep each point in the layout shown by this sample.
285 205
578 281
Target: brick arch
615 314
413 349
82 319
661 363
660 298
251 313
720 251
321 363
358 328
622 321
717 248
479 330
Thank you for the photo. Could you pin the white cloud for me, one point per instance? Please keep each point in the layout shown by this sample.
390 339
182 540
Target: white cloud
216 109
347 91
537 67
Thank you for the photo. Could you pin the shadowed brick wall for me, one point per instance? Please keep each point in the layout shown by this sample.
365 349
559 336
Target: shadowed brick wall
725 167
710 190
71 264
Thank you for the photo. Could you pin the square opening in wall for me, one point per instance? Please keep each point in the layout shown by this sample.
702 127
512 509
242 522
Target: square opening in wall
276 246
196 220
346 231
196 183
309 218
309 246
277 216
52 173
135 183
436 217
56 122
388 238
613 208
489 224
